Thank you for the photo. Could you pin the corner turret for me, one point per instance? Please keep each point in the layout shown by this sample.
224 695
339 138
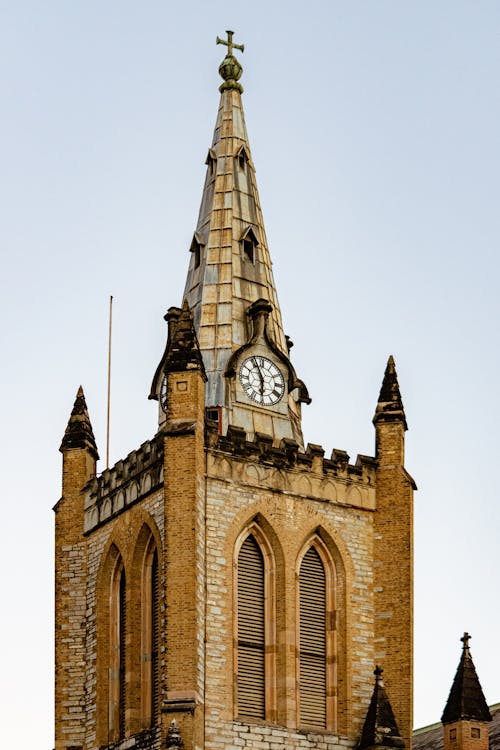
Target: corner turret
390 419
393 552
466 714
79 451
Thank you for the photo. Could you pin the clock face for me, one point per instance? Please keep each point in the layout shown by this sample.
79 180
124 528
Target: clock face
163 393
262 381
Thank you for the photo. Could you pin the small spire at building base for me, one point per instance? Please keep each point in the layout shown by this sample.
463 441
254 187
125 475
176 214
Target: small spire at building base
380 728
466 699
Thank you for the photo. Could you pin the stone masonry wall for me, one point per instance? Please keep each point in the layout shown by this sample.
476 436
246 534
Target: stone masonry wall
291 504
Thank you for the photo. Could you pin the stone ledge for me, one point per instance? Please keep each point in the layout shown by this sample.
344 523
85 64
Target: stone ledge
180 705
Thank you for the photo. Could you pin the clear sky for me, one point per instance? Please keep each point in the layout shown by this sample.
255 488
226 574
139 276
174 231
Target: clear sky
374 127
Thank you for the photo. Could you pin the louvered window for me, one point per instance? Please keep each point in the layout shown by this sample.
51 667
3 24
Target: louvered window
251 631
122 666
312 628
155 613
150 636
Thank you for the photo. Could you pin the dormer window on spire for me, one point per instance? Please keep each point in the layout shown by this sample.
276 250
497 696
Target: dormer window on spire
249 244
196 248
211 161
242 157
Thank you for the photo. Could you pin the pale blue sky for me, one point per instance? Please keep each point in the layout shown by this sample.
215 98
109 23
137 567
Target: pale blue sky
374 130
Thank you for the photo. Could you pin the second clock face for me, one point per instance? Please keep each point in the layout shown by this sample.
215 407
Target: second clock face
262 380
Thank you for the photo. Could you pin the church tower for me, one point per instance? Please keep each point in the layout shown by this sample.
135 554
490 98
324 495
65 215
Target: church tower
227 585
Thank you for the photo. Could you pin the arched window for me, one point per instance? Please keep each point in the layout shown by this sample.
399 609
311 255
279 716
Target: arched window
255 642
149 635
117 639
316 638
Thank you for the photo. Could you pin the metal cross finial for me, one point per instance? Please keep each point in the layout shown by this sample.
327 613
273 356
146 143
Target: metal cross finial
229 44
465 640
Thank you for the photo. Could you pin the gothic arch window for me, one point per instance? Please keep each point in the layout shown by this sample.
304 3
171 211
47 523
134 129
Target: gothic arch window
144 587
316 667
150 590
117 652
255 626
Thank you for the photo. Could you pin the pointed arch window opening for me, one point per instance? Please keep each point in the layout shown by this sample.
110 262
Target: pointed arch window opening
255 627
249 243
242 158
316 638
117 667
211 162
197 248
150 635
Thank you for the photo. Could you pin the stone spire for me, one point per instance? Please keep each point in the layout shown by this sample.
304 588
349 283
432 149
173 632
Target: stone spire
79 433
380 728
230 266
390 405
466 699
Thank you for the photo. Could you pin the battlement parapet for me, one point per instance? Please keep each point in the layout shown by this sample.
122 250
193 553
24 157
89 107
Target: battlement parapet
124 484
287 455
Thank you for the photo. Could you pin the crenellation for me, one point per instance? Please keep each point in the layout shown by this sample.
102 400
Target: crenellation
288 454
128 481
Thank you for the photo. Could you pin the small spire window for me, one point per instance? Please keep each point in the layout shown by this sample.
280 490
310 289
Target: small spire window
242 157
249 244
211 161
196 249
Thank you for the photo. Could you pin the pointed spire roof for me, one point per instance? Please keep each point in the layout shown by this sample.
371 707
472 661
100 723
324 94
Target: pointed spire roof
466 699
390 405
380 727
79 433
230 265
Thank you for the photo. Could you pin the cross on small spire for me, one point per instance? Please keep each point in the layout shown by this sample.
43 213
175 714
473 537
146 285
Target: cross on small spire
229 44
465 640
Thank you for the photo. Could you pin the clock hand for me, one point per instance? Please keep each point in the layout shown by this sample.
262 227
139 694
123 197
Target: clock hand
254 360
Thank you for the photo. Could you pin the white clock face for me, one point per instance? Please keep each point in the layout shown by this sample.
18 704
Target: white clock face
262 381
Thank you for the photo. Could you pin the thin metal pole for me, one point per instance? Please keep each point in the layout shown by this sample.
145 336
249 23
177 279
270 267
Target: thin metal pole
109 377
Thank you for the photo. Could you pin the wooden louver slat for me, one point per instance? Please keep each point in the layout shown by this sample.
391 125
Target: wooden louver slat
312 592
251 630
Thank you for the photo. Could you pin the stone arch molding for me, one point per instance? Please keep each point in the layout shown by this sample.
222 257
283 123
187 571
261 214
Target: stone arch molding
256 528
129 546
334 542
